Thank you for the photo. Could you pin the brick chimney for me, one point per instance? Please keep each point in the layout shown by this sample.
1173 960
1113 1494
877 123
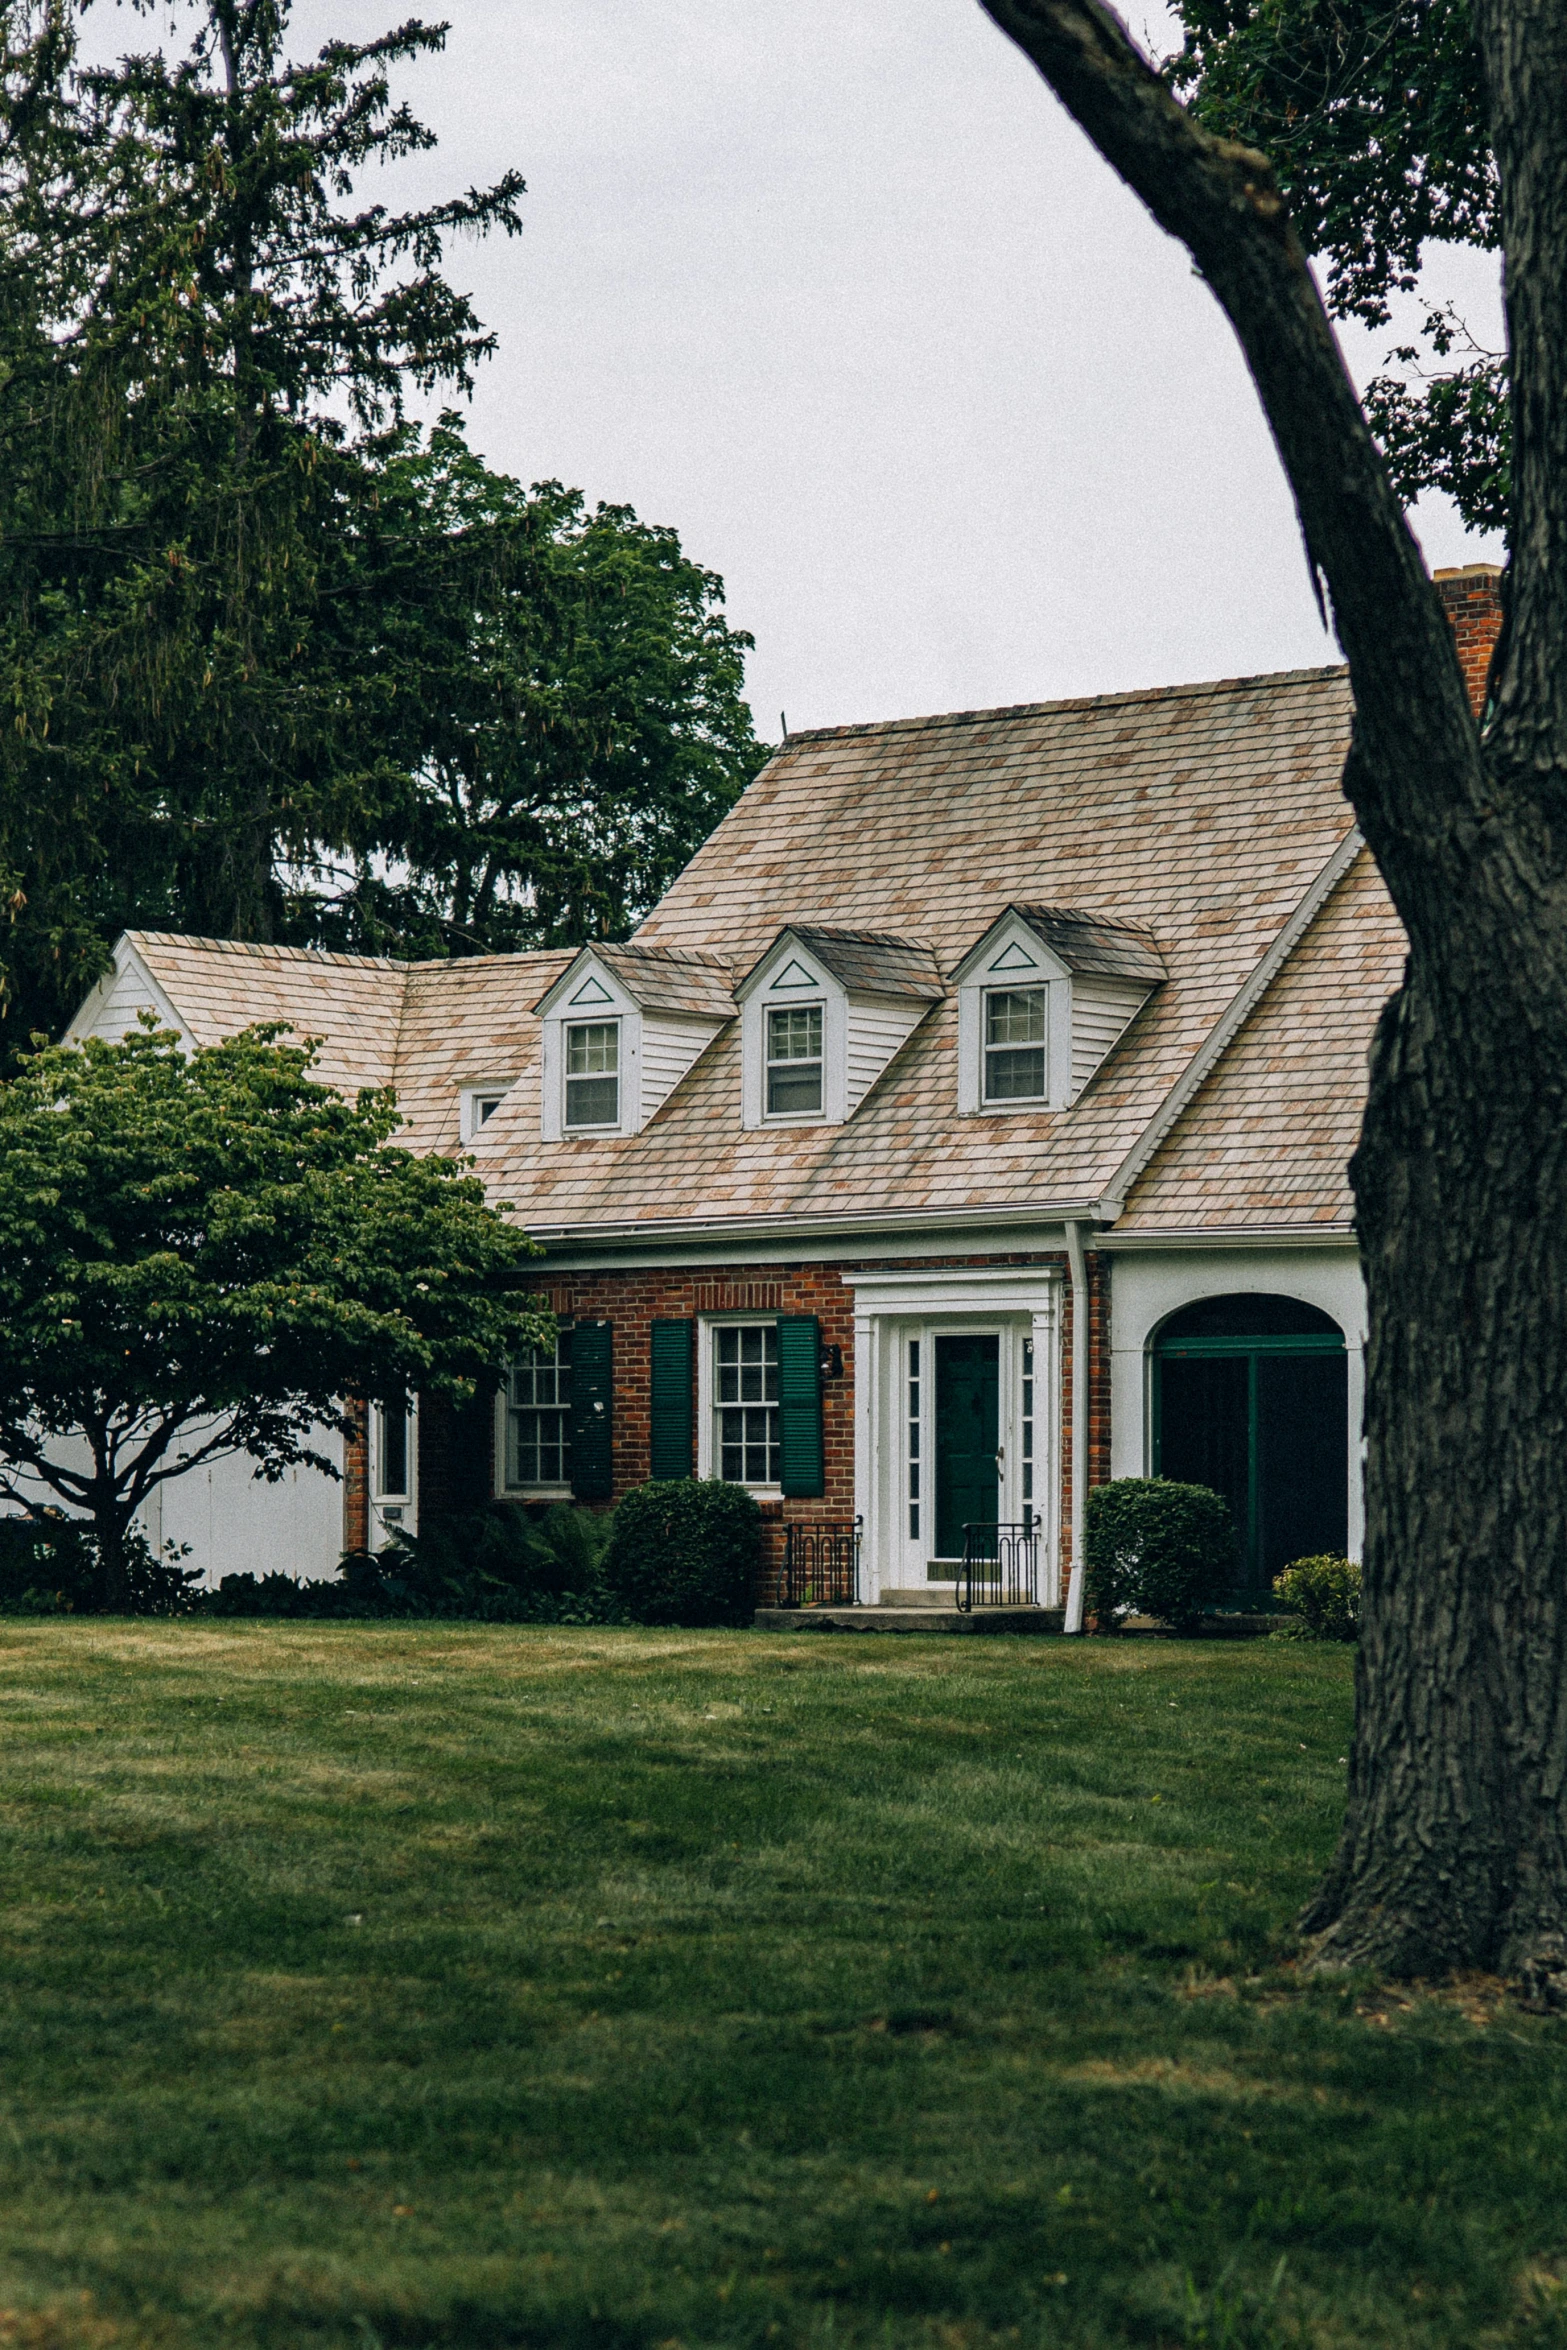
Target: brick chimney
1471 596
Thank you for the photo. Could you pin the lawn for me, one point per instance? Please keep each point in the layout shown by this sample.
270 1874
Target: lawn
470 1985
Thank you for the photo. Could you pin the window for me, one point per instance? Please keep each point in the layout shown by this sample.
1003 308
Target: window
745 1391
538 1418
392 1446
794 1060
1015 1044
914 1440
1028 1427
593 1073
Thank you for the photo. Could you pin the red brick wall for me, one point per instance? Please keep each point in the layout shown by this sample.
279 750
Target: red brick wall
1097 1266
1471 598
356 1490
456 1465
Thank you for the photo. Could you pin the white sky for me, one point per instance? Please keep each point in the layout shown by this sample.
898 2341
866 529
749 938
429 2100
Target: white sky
838 290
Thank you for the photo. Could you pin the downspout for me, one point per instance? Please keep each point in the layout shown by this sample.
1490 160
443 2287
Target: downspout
1079 1267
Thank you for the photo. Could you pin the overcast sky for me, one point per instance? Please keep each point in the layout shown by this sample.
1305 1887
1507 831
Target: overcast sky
837 290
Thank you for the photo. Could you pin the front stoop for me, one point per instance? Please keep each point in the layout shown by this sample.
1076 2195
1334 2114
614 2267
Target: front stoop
921 1617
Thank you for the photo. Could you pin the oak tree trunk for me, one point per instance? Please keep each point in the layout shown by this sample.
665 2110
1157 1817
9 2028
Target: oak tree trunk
1454 1850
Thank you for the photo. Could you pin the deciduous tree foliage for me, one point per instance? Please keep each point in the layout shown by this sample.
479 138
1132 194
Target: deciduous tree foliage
262 640
1454 1851
205 1253
1373 114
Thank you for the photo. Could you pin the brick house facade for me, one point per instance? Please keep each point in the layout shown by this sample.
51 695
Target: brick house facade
953 1026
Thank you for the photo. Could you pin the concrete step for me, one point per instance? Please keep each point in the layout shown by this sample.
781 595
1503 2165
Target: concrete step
922 1617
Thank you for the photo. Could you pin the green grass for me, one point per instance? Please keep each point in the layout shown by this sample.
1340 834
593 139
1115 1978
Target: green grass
480 1986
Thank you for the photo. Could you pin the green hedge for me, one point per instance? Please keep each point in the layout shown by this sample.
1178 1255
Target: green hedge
1320 1598
1157 1548
685 1551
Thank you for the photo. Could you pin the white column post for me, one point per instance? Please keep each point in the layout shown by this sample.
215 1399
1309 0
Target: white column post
867 1450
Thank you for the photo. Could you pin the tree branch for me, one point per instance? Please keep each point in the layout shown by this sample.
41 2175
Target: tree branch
1524 47
1417 781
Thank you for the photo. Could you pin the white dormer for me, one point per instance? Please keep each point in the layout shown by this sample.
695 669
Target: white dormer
620 1028
821 1015
1042 999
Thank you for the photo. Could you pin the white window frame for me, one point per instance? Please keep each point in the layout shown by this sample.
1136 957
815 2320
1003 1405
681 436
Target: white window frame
472 1100
504 1491
1014 1101
614 1022
771 1117
708 1457
392 1512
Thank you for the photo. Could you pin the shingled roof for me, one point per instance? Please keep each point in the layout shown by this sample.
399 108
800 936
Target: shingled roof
1172 833
667 979
869 962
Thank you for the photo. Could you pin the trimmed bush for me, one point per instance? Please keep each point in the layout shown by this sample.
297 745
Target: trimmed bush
1157 1548
1320 1598
685 1551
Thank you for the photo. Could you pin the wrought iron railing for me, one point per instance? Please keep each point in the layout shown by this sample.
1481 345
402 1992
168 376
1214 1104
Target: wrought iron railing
1000 1565
822 1564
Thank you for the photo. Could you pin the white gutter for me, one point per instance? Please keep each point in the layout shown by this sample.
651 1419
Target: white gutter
1079 1376
866 1221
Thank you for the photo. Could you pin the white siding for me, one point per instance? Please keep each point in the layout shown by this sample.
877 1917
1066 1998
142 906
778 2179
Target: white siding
111 1008
876 1028
1101 1008
669 1047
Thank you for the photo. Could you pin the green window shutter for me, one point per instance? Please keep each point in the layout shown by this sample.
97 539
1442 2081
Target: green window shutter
592 1410
800 1405
670 1410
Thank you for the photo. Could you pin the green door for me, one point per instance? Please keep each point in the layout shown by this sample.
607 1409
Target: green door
967 1433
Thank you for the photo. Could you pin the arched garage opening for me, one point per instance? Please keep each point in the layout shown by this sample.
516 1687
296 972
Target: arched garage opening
1251 1396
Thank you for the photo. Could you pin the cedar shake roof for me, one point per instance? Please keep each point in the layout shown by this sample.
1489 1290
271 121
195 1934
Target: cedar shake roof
1110 950
867 962
1268 1138
667 979
1179 830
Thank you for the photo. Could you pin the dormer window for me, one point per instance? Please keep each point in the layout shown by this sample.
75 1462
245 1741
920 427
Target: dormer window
618 1031
1042 1001
1015 1044
794 1061
822 1014
479 1105
592 1074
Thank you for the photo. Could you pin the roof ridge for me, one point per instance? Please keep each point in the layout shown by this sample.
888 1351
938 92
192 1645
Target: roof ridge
1125 698
265 947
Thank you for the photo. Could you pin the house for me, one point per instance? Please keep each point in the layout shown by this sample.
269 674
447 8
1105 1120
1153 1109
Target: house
968 1124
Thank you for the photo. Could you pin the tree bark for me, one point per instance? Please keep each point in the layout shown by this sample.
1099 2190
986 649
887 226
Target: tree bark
1454 1849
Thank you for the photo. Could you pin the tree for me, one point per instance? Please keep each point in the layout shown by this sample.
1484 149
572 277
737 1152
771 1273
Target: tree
568 722
1454 1849
1373 114
207 1254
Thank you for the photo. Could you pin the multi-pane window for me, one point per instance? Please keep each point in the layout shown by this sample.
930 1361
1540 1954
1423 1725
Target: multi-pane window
1028 1426
1015 1044
794 1060
538 1417
914 1440
593 1073
745 1401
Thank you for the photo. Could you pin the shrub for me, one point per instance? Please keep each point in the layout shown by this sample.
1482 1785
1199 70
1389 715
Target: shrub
685 1551
498 1565
1320 1598
1167 1550
49 1567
